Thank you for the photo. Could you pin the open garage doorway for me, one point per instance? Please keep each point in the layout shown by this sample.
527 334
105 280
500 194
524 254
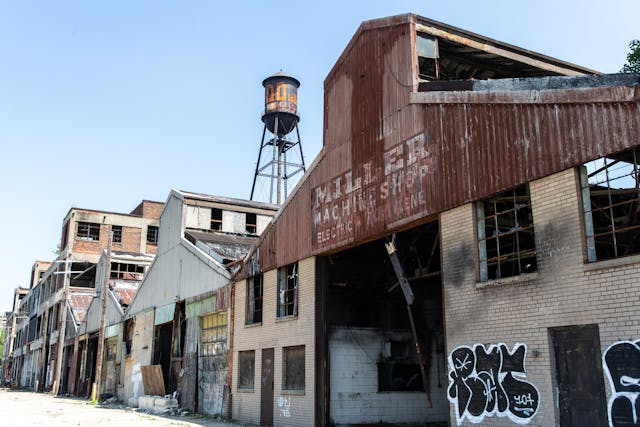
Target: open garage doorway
374 374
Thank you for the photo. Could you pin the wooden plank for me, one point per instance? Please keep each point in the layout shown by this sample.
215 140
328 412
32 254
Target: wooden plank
153 380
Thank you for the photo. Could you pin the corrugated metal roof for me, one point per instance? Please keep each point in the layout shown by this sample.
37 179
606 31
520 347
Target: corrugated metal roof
222 247
80 303
393 157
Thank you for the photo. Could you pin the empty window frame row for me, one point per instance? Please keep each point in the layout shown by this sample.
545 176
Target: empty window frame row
91 231
293 369
251 221
610 190
286 294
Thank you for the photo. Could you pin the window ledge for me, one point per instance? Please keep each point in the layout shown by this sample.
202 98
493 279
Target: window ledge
245 390
612 263
513 280
286 318
293 392
252 325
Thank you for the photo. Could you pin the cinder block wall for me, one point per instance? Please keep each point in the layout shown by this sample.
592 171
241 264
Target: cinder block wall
294 410
565 290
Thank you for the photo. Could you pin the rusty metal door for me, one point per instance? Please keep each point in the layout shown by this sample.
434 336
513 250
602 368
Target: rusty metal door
266 388
579 379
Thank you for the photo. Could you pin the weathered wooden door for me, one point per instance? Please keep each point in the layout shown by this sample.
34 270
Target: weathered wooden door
581 395
266 388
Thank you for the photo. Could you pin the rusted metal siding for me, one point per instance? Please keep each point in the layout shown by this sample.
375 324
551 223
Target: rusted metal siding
392 158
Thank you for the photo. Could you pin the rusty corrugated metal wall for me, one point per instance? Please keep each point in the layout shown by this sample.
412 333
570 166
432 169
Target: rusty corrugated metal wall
392 158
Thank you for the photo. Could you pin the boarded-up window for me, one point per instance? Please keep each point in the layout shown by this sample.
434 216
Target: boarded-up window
293 368
246 369
254 299
214 333
288 290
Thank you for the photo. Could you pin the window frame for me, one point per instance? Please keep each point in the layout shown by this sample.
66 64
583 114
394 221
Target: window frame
287 293
88 235
210 323
117 233
286 386
517 256
216 220
254 300
251 223
156 233
596 240
251 375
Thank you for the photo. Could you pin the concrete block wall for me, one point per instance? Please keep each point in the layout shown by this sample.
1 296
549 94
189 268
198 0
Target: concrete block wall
290 409
354 354
564 291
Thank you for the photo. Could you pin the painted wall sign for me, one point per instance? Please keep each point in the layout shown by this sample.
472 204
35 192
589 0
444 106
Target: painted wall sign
622 366
367 195
490 381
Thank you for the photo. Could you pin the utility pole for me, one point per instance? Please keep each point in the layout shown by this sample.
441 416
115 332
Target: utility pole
95 389
61 331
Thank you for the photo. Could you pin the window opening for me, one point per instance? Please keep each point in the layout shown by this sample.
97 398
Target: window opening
505 234
293 368
288 290
246 369
216 219
88 231
254 299
611 205
152 234
427 57
117 233
251 223
124 271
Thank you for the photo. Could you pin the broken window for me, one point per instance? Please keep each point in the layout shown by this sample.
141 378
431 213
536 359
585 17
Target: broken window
88 231
214 333
288 290
611 203
251 223
216 219
427 57
505 234
254 299
293 368
246 369
152 234
124 271
117 233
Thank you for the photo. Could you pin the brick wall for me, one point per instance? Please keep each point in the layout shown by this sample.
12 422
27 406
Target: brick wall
295 410
564 291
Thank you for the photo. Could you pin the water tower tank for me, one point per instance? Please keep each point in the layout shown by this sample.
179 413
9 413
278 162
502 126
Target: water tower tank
281 103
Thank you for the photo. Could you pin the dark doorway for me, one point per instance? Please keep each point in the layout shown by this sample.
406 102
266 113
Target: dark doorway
581 395
365 312
162 351
266 388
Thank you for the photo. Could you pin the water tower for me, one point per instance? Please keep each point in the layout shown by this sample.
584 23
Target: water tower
280 120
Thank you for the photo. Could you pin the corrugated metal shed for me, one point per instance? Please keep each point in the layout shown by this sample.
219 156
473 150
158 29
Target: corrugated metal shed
394 156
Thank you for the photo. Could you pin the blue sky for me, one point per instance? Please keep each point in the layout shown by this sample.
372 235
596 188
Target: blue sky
106 103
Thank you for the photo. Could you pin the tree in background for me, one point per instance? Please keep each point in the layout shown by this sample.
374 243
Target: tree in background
633 58
3 337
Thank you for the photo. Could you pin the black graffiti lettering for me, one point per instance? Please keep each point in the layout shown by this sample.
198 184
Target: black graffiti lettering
490 381
622 365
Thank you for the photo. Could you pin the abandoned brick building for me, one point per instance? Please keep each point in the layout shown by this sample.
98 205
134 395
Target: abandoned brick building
48 309
474 207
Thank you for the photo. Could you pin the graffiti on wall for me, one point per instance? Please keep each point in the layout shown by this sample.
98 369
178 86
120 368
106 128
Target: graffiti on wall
284 404
622 366
490 381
